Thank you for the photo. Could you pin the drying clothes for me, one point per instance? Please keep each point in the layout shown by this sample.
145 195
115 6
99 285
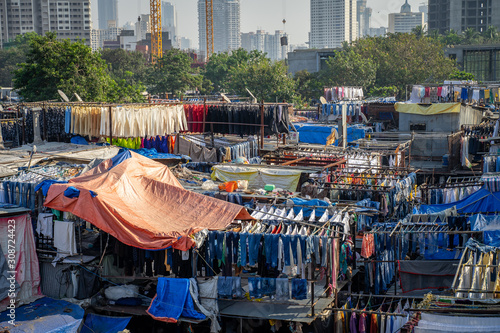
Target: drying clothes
255 287
299 289
173 300
282 289
45 224
206 292
64 238
196 152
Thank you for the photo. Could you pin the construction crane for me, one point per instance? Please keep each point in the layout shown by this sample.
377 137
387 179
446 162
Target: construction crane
156 37
209 27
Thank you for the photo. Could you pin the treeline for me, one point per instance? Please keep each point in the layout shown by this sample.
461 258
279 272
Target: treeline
37 66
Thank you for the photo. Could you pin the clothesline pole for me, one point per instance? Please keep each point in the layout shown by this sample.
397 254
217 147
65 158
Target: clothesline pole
110 127
262 125
204 112
459 269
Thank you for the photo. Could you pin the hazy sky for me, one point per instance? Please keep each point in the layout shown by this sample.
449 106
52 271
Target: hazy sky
255 14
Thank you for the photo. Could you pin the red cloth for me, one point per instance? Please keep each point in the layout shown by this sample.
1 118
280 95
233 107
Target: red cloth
368 246
427 92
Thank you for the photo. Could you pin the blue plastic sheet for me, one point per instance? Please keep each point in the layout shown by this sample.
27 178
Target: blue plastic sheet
78 140
153 153
173 300
306 210
490 225
45 185
72 192
492 238
318 134
104 324
122 155
45 315
481 201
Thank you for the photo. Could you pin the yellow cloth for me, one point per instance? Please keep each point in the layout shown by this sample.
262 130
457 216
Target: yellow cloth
428 110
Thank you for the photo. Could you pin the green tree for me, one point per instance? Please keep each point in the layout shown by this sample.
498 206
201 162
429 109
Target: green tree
471 36
451 38
418 31
219 66
173 74
268 81
462 76
350 68
403 59
12 54
490 35
125 65
308 85
53 64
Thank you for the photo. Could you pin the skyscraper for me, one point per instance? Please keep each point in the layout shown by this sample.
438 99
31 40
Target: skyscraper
265 42
445 15
364 16
169 19
406 20
226 16
332 23
107 10
71 20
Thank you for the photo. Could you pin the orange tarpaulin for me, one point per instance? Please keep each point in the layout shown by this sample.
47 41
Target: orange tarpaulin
142 204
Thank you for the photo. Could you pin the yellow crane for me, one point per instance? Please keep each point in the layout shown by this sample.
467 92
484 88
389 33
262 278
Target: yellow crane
209 27
156 37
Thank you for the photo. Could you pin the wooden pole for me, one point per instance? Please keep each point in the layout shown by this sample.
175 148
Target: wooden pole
110 127
262 125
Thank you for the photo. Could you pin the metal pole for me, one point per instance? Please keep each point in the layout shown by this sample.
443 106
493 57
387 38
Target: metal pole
110 127
312 298
262 125
204 111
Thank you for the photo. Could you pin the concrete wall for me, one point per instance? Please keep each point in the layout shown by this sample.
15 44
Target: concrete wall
447 122
311 60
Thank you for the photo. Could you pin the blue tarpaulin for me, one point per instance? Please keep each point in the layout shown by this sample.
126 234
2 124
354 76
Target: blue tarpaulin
172 301
153 153
104 324
317 134
482 201
45 315
490 225
306 210
45 185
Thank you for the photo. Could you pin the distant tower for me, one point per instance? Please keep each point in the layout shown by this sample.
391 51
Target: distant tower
226 16
332 23
107 11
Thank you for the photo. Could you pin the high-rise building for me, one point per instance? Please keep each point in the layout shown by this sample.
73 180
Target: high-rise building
107 10
425 10
169 19
406 20
70 19
364 17
446 15
375 32
265 42
226 17
332 23
184 43
142 26
99 36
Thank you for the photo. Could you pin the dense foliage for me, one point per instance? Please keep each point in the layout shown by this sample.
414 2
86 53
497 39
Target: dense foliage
384 66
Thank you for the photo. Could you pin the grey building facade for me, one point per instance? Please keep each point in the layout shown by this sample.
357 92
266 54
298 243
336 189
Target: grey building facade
107 11
69 19
459 15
